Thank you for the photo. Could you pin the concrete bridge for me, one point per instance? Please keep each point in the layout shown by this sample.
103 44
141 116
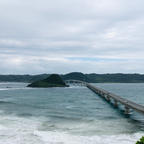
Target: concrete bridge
110 97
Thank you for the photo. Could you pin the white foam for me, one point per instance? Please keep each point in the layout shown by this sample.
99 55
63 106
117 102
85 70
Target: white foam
22 88
17 130
1 89
76 87
2 127
64 138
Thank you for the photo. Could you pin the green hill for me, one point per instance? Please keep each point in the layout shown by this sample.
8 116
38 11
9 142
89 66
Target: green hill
53 80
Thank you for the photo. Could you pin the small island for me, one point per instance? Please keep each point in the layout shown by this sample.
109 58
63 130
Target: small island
53 80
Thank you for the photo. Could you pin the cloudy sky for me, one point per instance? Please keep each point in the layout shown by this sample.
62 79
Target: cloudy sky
61 36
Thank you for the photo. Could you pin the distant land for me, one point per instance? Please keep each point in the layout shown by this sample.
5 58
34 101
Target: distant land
91 78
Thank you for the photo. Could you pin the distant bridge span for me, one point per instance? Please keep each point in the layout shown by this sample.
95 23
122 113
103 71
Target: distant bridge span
76 82
109 97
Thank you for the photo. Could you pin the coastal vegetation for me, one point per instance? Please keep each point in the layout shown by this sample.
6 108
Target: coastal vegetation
141 141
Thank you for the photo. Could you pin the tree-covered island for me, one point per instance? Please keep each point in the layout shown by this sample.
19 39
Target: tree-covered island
53 80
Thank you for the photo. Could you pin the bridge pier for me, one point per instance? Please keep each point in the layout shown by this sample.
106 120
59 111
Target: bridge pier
103 95
127 110
108 98
115 103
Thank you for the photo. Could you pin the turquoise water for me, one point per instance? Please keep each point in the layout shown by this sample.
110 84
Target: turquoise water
72 115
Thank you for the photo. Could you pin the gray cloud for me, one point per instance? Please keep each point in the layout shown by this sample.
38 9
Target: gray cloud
63 36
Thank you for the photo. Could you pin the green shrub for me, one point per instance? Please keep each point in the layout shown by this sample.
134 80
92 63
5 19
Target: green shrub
141 141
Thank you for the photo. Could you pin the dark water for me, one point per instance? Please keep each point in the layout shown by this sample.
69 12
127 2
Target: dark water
72 115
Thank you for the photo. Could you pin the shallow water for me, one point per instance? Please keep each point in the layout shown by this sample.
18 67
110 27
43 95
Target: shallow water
72 115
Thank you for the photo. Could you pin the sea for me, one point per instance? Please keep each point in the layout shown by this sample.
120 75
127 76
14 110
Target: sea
72 115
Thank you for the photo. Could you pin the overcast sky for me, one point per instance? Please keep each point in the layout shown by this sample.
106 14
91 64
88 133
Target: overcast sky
61 36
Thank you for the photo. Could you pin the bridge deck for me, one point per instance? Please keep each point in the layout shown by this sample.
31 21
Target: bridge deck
127 103
108 96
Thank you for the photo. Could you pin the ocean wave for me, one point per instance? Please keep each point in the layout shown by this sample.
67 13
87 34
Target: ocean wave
12 88
65 138
1 89
17 130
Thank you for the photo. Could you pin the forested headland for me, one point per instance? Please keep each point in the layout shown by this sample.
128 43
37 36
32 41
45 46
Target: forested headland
91 78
